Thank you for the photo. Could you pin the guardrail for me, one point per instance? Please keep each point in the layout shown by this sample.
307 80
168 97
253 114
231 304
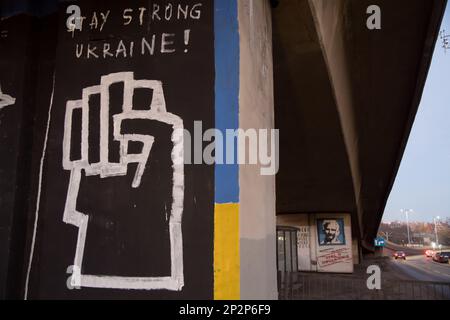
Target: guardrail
297 286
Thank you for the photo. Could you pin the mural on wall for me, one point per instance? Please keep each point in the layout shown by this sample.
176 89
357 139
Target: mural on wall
5 100
155 110
331 257
331 232
334 251
118 214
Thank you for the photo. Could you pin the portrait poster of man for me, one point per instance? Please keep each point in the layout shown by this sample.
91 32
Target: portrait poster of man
331 232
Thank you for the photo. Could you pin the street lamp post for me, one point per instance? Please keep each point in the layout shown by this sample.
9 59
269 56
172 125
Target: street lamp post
435 229
407 212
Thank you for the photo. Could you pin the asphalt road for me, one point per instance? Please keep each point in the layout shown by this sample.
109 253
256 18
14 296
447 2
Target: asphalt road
423 269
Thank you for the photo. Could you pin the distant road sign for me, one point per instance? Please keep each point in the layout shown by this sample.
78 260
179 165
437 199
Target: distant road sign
380 242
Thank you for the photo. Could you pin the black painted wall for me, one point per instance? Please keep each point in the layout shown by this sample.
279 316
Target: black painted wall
17 80
128 232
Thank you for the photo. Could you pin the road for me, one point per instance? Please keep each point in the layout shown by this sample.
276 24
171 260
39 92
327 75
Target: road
423 269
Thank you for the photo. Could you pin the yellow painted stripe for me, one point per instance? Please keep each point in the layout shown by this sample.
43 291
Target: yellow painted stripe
226 252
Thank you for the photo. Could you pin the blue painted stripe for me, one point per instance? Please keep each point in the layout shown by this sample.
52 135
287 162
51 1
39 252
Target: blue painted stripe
226 92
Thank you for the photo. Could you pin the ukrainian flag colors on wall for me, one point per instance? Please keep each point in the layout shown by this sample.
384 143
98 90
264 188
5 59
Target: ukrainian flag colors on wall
226 215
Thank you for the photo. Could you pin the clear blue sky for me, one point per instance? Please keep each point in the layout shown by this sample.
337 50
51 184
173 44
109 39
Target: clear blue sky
423 181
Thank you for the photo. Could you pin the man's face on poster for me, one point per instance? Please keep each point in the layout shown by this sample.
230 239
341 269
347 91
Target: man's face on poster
331 230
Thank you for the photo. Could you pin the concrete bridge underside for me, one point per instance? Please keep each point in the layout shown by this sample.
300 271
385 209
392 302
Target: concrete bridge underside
345 102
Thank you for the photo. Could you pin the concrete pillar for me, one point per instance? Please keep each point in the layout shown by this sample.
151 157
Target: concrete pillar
257 192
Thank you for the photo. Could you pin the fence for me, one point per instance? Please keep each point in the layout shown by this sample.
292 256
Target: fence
297 286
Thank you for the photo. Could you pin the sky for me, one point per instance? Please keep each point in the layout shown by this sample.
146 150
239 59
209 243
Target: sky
423 180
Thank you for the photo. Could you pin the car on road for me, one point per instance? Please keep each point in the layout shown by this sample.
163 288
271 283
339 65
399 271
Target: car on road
429 253
441 257
399 255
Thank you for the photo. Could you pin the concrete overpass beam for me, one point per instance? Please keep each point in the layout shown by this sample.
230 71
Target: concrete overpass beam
330 22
